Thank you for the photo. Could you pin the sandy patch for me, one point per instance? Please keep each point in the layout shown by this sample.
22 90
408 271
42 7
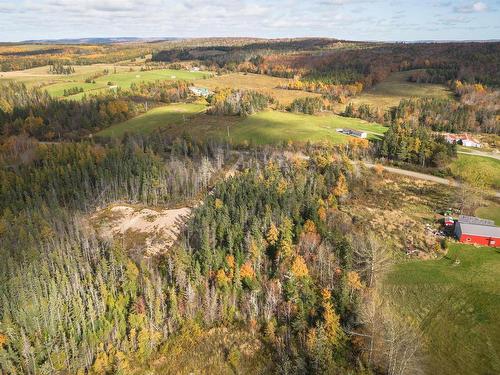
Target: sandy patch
141 229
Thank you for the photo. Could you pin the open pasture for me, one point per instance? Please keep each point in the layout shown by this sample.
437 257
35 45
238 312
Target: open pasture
177 114
258 82
455 300
389 92
268 127
119 75
475 168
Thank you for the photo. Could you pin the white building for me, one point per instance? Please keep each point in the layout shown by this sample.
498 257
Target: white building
353 133
462 139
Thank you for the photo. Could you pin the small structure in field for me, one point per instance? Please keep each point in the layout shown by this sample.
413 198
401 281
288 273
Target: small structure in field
462 139
200 91
353 132
474 230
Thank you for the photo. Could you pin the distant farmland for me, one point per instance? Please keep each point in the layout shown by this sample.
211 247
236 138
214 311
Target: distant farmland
124 77
258 82
389 92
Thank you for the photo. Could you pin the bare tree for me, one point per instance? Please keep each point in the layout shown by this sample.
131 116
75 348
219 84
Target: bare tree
371 258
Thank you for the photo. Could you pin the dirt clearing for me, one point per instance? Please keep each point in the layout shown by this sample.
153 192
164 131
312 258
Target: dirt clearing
141 229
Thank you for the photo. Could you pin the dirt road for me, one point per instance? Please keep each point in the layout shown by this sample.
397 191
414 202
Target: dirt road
423 176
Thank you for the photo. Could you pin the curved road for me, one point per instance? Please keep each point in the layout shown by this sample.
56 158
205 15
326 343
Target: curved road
423 176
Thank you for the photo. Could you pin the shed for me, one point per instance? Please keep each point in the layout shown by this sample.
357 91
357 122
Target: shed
478 231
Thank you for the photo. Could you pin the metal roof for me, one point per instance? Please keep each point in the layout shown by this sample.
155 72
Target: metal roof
475 220
479 230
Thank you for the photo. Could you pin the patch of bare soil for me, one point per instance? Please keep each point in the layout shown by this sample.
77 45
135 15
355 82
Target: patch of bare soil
141 229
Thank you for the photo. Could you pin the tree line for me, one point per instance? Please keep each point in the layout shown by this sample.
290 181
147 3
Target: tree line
33 112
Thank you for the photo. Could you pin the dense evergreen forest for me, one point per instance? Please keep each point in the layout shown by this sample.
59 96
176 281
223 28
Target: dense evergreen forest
265 249
343 62
64 291
33 112
15 56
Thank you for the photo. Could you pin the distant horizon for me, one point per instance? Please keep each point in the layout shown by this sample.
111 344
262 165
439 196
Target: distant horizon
357 20
166 38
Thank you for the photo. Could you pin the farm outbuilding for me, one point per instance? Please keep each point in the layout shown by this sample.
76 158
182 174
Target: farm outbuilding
353 133
474 230
463 139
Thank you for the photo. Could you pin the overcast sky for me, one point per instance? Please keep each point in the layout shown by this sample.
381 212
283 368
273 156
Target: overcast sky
345 19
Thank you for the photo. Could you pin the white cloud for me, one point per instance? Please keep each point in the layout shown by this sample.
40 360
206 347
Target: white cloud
476 7
350 19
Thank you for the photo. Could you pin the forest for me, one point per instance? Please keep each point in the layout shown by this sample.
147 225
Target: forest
280 261
33 112
264 250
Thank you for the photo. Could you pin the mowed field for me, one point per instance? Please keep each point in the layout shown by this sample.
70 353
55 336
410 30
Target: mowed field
490 211
258 82
123 77
389 92
477 167
178 114
268 127
456 305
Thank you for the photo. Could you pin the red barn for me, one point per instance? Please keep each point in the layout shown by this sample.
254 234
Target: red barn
478 231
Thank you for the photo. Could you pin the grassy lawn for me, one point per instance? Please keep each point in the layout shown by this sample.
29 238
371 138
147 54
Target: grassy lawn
57 89
156 118
258 82
124 80
268 127
273 127
488 168
491 211
389 92
457 307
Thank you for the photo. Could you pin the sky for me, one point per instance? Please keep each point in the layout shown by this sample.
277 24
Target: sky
403 20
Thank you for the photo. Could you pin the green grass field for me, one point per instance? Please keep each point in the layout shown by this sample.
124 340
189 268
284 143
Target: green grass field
273 127
176 114
124 80
487 169
456 306
55 84
259 82
268 127
491 211
389 92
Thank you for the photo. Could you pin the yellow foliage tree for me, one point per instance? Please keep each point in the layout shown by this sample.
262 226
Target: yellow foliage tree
272 234
353 281
331 320
299 267
230 261
282 186
341 188
246 270
309 226
218 203
222 279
